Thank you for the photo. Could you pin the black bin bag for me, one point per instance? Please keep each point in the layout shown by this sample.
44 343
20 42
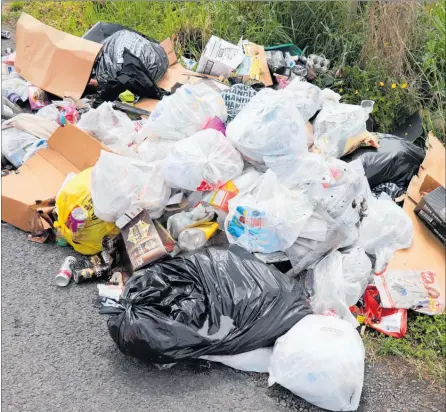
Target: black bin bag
217 301
396 161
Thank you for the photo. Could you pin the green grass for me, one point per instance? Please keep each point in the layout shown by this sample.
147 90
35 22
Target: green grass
327 28
424 345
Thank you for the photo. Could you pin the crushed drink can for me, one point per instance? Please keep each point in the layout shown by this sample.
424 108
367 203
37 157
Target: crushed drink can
80 275
65 273
6 34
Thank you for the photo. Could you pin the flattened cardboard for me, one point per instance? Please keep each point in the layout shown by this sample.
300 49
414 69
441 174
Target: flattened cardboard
257 52
40 178
57 62
426 252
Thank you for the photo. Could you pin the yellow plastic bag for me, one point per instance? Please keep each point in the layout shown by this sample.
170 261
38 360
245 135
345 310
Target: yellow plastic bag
85 238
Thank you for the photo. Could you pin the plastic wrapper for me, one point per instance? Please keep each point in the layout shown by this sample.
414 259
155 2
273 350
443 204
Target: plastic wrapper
87 238
386 229
306 96
305 252
111 127
183 114
268 125
339 281
236 98
202 162
155 148
37 97
269 218
254 361
119 183
180 221
321 359
395 161
217 301
50 112
339 128
17 86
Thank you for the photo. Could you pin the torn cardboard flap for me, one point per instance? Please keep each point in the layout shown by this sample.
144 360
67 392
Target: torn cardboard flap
57 62
40 178
426 252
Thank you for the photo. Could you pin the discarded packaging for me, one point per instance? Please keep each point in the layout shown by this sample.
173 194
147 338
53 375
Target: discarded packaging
195 237
202 162
180 221
65 273
246 317
119 183
219 58
75 195
417 290
321 359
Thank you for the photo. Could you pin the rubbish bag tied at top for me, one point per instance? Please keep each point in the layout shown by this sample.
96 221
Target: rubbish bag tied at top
85 236
321 359
217 301
119 183
202 162
269 218
268 125
183 113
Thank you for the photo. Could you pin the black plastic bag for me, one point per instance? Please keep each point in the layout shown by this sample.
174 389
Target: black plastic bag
217 301
396 161
130 61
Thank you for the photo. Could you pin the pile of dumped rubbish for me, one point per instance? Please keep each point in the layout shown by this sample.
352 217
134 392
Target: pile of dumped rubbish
230 209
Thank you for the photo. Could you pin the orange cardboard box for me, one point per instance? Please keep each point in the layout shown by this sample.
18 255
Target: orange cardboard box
25 195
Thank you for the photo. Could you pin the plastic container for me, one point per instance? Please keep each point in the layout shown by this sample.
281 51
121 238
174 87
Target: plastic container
65 273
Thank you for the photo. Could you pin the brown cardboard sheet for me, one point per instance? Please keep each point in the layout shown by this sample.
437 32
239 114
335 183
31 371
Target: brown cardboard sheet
258 51
426 252
57 62
40 178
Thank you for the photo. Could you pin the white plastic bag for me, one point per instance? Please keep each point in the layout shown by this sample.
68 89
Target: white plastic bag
386 229
50 112
320 359
339 280
111 127
202 162
119 183
15 85
155 148
269 218
338 126
269 125
183 113
15 144
253 361
32 124
306 97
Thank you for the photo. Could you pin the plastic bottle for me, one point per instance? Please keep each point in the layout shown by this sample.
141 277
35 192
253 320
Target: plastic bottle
196 237
60 240
65 273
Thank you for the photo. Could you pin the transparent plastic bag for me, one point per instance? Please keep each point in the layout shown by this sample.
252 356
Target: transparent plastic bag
253 361
202 162
15 144
119 183
50 112
269 218
386 229
269 125
17 86
111 127
338 126
339 281
155 148
183 113
306 97
305 252
320 359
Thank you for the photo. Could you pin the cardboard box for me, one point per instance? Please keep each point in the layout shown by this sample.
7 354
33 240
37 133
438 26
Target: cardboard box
432 211
55 61
426 252
26 194
143 244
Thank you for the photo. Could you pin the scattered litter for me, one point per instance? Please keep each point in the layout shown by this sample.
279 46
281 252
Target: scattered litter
65 273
